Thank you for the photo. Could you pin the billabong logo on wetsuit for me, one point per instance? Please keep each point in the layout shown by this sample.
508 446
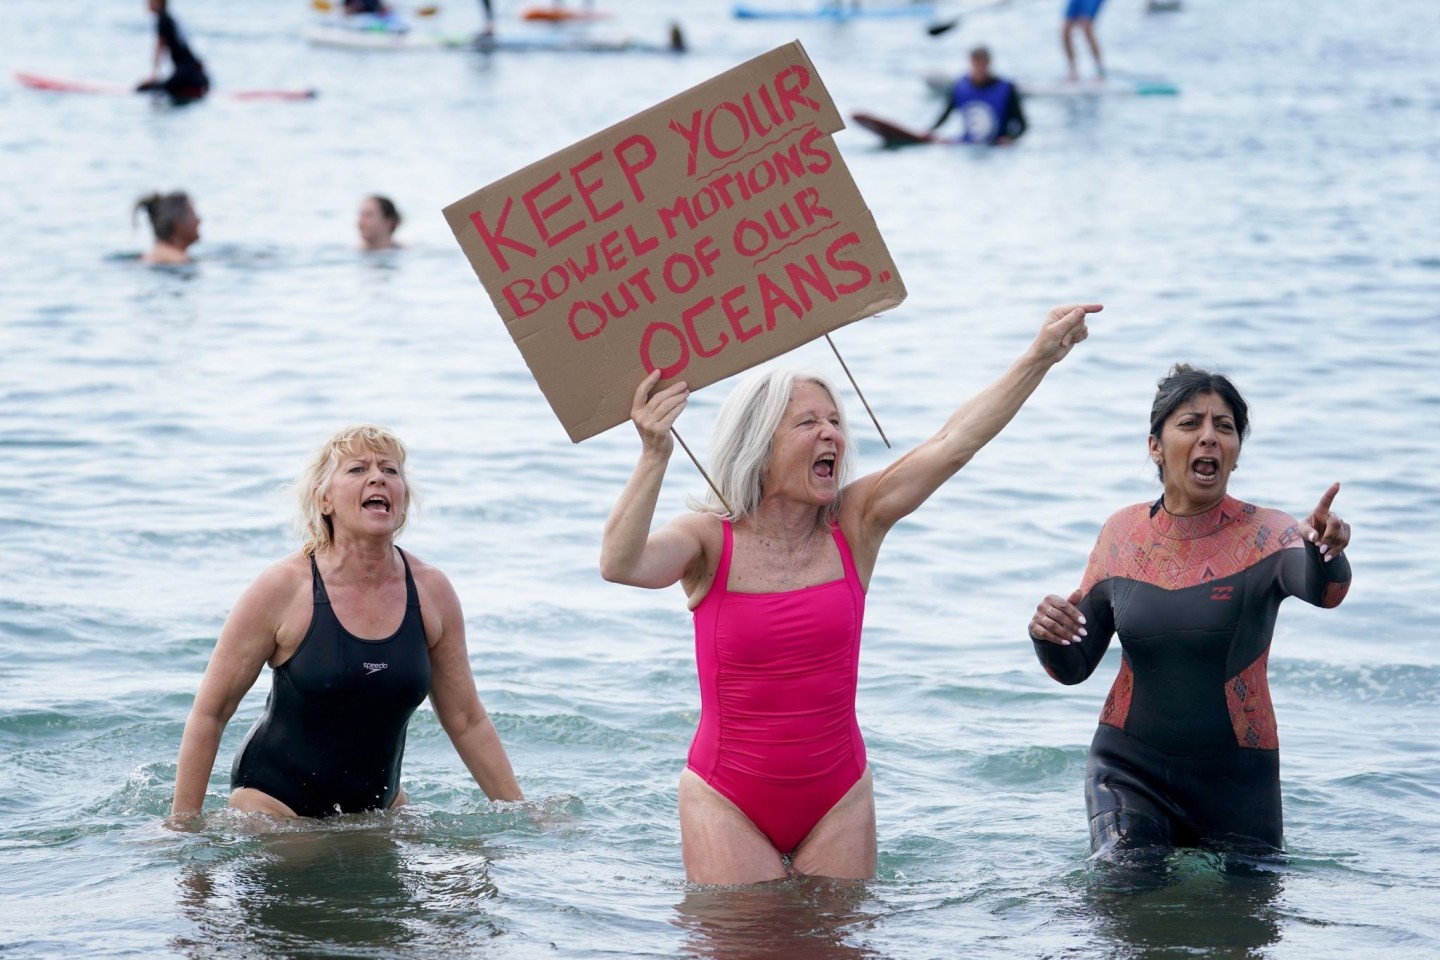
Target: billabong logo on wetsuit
374 667
1221 593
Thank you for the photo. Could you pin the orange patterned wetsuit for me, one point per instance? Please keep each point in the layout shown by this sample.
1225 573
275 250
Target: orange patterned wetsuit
1186 753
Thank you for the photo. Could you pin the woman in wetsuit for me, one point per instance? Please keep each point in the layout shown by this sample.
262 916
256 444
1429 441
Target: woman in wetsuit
357 633
776 778
1186 753
187 80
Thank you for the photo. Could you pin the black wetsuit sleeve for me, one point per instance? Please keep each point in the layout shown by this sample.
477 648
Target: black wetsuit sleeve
1013 124
949 106
1305 574
1074 663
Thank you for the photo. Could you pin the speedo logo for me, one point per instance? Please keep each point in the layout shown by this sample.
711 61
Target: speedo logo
374 667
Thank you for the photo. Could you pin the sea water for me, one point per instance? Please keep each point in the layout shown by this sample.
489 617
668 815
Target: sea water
1279 219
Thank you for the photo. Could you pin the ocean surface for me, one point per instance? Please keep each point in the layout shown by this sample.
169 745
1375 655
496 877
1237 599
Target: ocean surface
1279 220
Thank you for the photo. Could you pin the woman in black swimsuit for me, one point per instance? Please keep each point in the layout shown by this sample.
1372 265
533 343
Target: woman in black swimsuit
357 634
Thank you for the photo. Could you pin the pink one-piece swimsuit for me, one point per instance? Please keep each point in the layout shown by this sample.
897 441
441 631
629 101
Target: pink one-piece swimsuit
778 735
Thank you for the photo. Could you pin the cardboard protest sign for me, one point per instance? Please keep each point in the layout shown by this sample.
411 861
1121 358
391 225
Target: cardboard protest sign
700 237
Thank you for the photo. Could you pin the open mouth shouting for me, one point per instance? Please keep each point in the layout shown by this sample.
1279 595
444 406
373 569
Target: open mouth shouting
377 503
824 468
1205 470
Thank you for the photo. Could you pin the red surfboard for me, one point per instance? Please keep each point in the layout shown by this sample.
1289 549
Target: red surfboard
558 14
893 134
37 81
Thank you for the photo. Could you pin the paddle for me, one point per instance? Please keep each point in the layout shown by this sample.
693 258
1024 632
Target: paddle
935 29
327 6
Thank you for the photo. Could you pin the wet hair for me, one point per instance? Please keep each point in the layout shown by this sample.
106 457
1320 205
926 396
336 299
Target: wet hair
165 211
744 434
388 211
315 527
1185 382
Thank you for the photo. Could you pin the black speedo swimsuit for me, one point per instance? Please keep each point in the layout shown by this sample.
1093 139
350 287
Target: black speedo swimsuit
333 732
1187 753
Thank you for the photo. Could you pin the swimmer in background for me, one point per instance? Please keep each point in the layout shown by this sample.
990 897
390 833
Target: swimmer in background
989 106
187 81
377 223
176 226
1080 15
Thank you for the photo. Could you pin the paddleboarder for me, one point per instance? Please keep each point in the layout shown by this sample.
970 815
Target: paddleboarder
989 106
1080 15
187 81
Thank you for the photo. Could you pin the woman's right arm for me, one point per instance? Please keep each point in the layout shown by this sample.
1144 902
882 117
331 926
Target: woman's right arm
630 553
246 642
1071 634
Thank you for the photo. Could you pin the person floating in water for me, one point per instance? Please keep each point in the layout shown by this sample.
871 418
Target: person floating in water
989 106
377 223
187 81
1186 753
176 226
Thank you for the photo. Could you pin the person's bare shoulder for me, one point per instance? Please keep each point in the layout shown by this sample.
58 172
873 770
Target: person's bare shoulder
282 579
432 583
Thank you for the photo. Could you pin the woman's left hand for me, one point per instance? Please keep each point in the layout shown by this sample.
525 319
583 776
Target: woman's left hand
1325 529
1063 328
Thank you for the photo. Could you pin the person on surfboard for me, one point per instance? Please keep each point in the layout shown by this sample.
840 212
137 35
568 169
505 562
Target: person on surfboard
989 106
1080 15
187 81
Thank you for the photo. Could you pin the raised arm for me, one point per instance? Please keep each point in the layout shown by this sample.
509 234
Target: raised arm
883 498
1319 574
452 691
247 640
630 553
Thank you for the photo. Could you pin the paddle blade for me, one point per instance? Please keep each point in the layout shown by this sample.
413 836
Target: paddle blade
935 29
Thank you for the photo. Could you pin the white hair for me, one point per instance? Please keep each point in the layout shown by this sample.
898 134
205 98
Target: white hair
744 434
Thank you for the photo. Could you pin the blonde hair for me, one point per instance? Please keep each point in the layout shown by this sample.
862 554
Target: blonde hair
316 529
744 435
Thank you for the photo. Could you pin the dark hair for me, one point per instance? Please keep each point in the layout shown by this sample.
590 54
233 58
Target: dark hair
387 210
1185 382
165 211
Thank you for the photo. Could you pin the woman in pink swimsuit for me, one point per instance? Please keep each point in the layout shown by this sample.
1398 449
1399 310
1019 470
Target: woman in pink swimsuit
776 780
